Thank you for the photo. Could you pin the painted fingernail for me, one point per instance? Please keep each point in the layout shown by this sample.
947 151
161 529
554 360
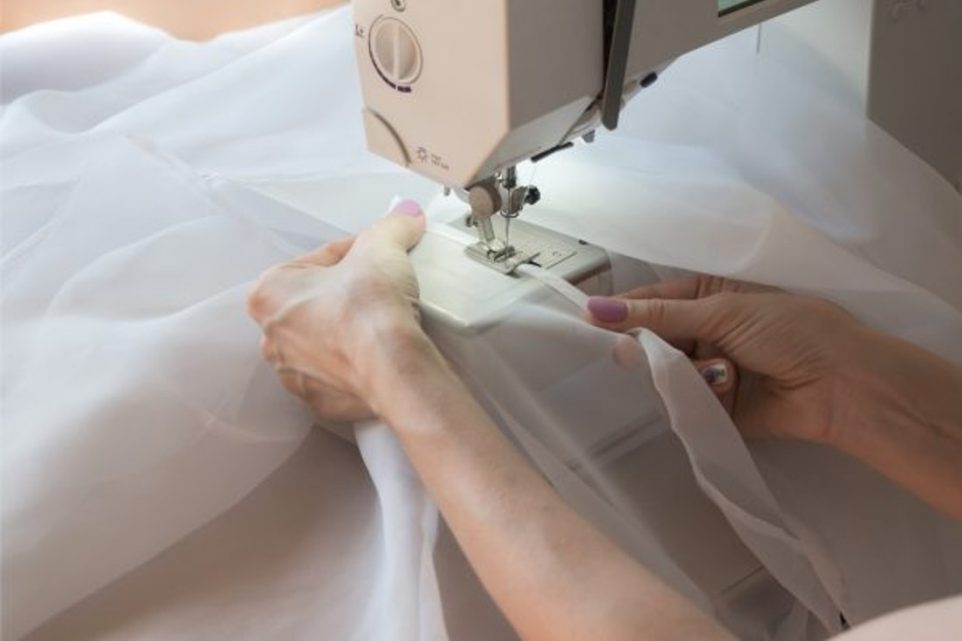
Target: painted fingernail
408 208
608 310
716 375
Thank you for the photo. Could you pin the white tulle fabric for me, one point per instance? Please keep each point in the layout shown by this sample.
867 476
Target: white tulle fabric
159 483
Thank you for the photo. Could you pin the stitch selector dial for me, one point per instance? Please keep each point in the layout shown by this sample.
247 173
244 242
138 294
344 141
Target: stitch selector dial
395 53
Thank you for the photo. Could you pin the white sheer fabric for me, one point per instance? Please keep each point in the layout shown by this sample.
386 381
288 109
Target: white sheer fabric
158 482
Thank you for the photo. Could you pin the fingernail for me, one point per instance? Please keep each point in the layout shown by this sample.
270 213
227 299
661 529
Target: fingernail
715 375
408 208
608 310
628 353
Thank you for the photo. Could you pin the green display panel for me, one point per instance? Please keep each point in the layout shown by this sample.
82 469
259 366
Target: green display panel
727 6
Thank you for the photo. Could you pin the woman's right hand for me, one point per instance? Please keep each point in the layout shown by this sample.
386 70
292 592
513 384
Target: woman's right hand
342 319
796 367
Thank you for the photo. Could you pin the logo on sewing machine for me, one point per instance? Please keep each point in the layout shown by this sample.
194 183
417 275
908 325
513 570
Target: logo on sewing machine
424 156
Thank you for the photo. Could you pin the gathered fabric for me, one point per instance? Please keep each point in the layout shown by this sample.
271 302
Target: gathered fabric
158 482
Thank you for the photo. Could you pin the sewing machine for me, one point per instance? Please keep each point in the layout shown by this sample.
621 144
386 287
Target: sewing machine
463 91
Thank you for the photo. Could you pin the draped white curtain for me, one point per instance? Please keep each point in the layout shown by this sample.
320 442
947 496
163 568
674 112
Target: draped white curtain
159 483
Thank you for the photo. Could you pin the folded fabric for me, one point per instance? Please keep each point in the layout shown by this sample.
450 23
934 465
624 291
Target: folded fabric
147 450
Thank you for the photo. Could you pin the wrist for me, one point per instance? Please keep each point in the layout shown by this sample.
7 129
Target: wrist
904 419
890 384
392 358
876 392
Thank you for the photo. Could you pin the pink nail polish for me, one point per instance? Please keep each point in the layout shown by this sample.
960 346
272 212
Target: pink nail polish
608 310
408 208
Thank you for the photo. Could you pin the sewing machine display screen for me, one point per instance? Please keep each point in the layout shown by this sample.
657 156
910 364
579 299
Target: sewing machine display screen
727 6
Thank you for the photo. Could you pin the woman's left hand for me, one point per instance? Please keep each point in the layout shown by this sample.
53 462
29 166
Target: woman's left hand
341 326
330 318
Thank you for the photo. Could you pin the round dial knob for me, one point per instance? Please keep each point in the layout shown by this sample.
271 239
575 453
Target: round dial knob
395 52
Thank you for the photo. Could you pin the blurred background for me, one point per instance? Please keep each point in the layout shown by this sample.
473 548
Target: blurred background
190 19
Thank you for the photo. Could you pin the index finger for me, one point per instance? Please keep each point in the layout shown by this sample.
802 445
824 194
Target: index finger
678 289
695 287
329 254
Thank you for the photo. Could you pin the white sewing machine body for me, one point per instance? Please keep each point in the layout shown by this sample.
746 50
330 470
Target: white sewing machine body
459 90
462 91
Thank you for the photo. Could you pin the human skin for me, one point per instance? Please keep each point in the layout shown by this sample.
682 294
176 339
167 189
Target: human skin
341 328
803 368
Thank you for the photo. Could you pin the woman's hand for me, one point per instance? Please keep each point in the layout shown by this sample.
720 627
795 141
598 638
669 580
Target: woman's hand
334 317
795 367
341 328
789 350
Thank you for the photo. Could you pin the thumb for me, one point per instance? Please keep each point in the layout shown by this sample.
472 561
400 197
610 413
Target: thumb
721 376
403 228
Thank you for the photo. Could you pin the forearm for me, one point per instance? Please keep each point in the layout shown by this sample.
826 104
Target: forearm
553 575
909 421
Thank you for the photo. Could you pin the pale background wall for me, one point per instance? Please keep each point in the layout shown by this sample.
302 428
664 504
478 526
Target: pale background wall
192 19
901 60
